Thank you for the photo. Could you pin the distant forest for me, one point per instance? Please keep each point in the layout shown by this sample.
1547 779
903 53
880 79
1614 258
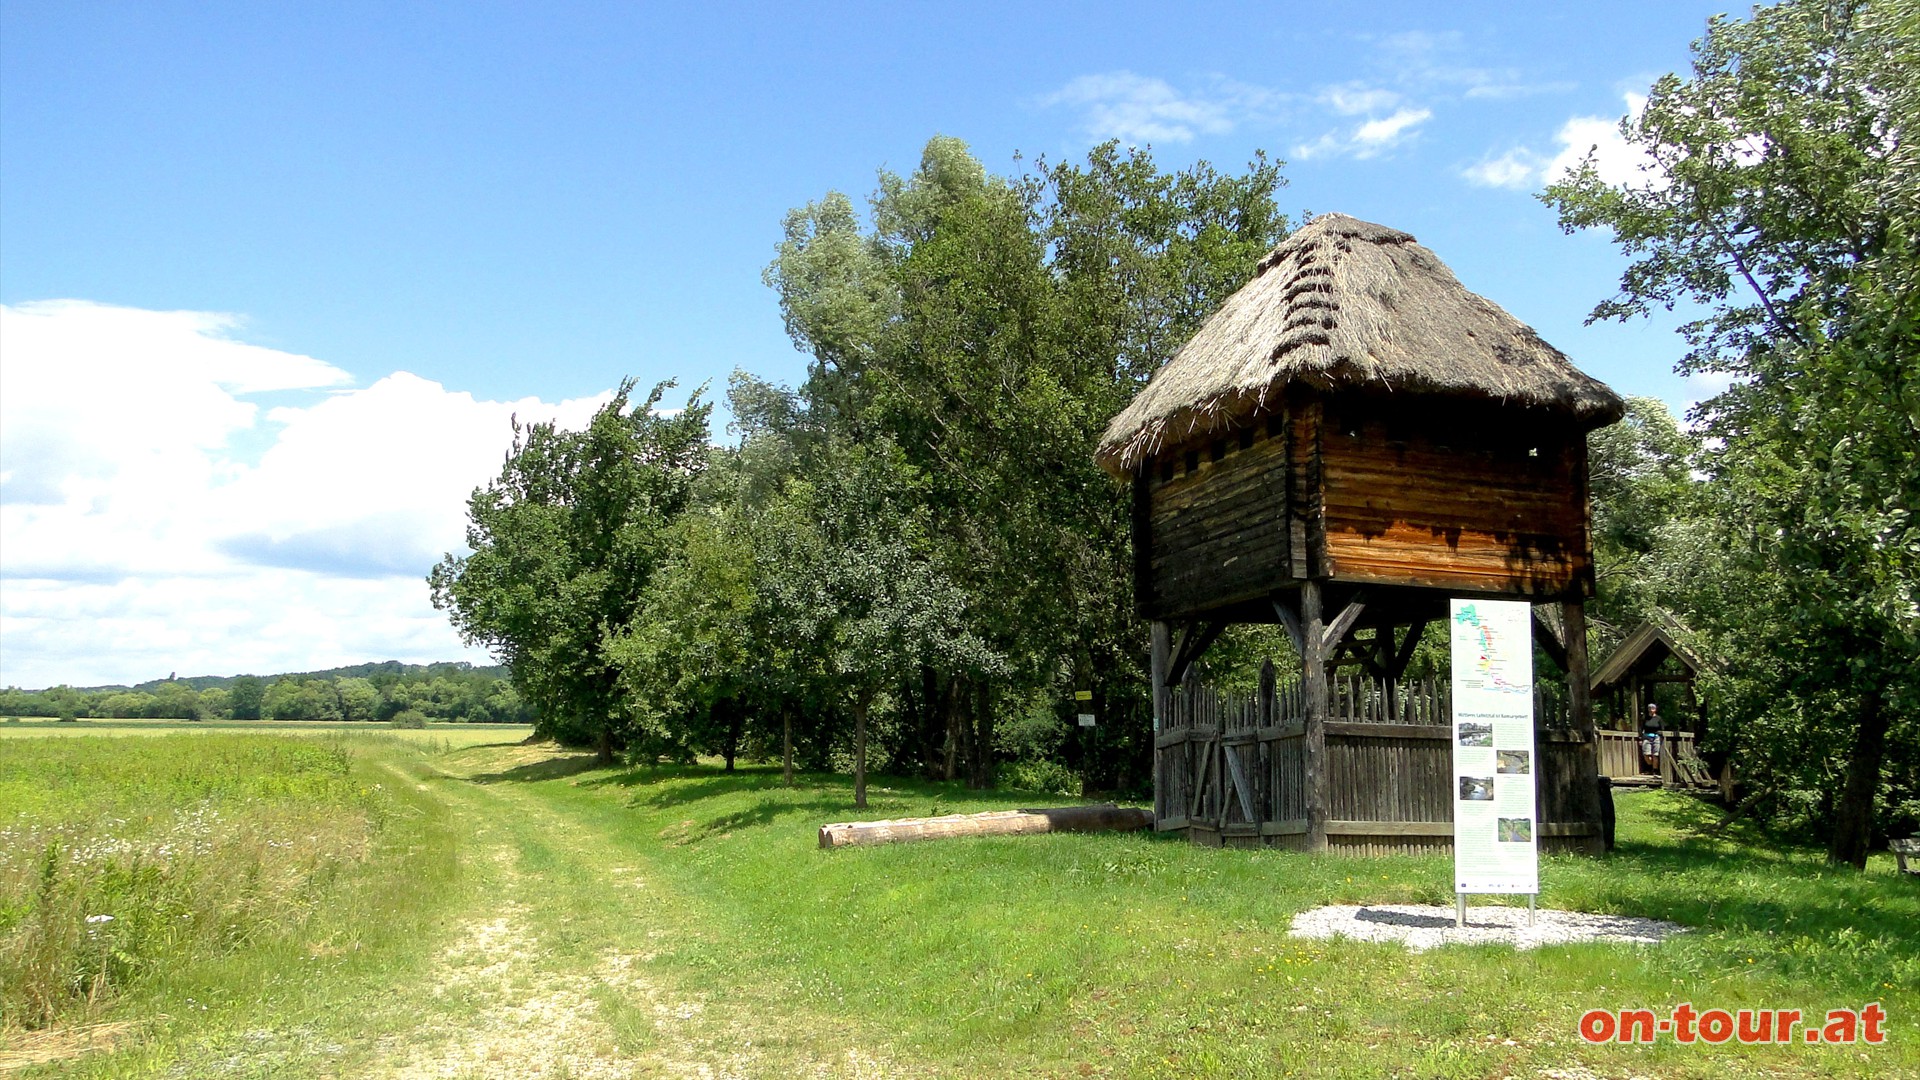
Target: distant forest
388 690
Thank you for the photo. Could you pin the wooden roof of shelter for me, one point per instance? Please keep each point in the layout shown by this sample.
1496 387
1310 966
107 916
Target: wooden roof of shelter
1344 303
1646 647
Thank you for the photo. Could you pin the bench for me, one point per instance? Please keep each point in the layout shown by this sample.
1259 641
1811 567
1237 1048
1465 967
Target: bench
1902 850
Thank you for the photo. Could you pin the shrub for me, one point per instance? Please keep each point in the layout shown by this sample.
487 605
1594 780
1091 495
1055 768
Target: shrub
412 719
1048 777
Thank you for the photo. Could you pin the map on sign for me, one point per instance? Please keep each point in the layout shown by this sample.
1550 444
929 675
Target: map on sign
1494 669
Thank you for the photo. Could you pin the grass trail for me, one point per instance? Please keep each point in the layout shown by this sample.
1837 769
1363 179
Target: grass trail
556 972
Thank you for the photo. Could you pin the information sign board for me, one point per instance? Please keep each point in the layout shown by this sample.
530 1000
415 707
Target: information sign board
1495 826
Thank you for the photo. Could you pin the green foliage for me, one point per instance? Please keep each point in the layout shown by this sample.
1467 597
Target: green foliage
983 330
450 691
1781 197
564 542
245 696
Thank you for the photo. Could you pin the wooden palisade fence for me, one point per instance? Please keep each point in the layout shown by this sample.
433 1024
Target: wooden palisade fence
1230 769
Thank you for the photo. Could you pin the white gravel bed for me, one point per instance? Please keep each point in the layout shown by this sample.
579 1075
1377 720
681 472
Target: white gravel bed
1422 926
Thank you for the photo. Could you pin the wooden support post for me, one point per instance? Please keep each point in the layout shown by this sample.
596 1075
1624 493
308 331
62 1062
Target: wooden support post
1162 641
1335 634
1550 638
1290 619
1195 640
1313 683
1580 718
1162 647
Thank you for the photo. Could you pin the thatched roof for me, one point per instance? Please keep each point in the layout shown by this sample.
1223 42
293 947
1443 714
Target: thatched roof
1343 303
1649 644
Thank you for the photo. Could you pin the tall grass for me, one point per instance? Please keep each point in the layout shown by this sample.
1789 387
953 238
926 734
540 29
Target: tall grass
120 859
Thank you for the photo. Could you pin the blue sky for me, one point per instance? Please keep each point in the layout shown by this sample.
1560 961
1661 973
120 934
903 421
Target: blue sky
518 205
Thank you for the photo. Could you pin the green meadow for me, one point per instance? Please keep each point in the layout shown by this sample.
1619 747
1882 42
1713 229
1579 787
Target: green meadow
374 905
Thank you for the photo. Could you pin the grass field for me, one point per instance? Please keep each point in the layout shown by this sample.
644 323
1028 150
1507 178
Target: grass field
513 910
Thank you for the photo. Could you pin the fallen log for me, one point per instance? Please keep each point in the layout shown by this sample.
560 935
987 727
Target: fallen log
1104 817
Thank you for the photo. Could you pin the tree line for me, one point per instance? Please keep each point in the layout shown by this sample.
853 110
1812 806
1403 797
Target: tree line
910 561
386 691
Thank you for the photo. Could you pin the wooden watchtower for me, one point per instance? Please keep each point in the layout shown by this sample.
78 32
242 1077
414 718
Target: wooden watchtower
1352 439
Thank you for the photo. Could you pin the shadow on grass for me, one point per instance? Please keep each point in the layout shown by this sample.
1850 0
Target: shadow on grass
1689 818
534 771
821 797
1757 894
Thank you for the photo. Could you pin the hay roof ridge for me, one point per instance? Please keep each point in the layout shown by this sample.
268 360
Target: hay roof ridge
1345 303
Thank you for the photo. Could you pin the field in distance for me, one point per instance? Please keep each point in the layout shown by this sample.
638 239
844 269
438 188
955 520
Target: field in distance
440 736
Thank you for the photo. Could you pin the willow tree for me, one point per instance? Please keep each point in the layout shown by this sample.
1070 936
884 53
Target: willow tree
1781 191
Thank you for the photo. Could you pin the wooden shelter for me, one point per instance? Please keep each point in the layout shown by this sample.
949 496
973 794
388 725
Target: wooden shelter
1349 441
1652 658
1653 654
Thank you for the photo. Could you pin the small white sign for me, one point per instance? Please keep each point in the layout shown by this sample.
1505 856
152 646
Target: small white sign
1495 826
1086 719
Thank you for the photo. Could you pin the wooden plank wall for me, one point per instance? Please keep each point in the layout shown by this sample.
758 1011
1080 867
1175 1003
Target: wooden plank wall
1216 523
1448 498
1232 772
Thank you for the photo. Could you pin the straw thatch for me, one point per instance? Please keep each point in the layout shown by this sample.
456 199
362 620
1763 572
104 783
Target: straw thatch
1344 303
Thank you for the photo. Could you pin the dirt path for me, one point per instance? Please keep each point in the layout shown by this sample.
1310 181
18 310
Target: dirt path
553 977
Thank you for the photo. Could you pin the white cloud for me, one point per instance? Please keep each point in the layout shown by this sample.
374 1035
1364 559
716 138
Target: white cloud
1503 91
1350 98
1386 132
1617 161
1517 169
1139 110
143 529
1369 139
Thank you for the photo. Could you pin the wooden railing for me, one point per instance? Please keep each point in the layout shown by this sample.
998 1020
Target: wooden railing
1621 759
1619 754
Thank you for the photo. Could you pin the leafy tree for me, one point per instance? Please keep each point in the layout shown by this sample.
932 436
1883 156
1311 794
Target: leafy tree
1780 195
563 544
174 701
696 651
988 329
1640 476
358 698
301 699
215 703
245 697
127 704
